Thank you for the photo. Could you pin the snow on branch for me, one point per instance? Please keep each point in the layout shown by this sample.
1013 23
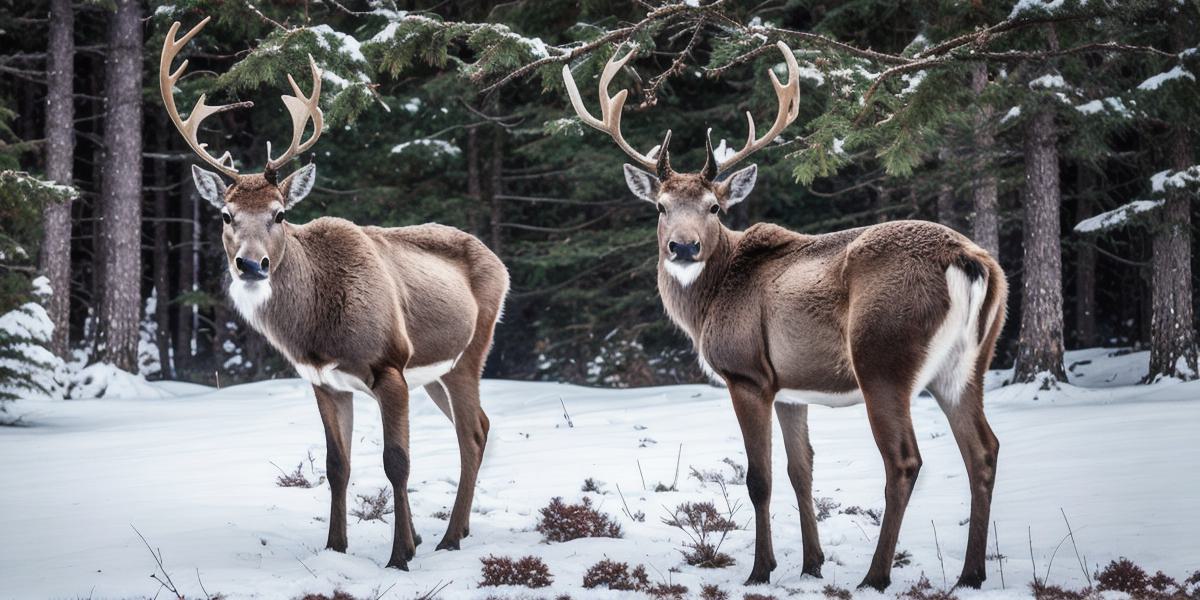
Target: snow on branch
1117 217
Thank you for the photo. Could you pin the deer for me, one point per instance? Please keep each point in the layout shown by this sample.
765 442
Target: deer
870 315
381 311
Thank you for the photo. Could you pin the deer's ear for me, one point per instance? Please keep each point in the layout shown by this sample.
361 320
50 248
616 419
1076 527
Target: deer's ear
298 185
643 185
736 187
210 185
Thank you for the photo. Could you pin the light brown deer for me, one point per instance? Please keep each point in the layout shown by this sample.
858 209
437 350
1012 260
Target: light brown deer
376 310
872 315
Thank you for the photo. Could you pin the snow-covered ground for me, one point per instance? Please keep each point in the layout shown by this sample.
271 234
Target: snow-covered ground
191 470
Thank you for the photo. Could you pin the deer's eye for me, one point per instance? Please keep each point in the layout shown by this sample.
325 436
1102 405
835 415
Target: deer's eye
279 217
662 210
716 208
228 218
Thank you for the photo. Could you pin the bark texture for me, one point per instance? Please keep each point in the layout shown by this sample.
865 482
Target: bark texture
1040 345
162 284
55 253
189 232
1172 328
985 227
120 197
1086 335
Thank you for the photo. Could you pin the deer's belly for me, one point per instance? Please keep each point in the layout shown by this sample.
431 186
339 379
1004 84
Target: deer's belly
830 399
343 381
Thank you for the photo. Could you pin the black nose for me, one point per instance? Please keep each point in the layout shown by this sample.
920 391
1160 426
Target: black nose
687 251
251 270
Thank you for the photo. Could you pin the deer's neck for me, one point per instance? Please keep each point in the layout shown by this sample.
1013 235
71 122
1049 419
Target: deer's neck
273 306
687 303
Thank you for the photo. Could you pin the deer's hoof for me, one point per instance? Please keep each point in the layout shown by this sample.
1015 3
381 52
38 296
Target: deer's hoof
876 582
971 580
448 545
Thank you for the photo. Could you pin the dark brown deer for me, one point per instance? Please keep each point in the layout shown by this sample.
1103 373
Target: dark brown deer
376 310
872 315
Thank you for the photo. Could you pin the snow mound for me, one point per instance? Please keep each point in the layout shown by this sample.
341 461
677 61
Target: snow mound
1117 216
103 380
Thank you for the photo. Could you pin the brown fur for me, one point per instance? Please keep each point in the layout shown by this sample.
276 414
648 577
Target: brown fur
372 302
851 310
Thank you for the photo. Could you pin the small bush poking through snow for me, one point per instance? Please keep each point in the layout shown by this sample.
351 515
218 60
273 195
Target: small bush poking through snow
591 485
443 515
563 522
297 478
374 508
825 507
874 514
706 529
923 590
616 576
833 592
903 558
712 592
667 591
337 595
1042 591
528 572
1122 575
759 597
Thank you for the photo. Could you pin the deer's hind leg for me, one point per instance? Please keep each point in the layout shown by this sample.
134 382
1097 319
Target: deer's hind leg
793 420
337 415
979 448
392 392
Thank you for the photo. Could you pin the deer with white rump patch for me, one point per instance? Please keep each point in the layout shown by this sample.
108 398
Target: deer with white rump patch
872 315
368 309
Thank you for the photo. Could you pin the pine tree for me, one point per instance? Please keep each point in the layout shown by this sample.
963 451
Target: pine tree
55 253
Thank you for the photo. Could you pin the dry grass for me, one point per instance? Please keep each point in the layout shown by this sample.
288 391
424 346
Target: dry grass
374 508
528 572
616 576
563 522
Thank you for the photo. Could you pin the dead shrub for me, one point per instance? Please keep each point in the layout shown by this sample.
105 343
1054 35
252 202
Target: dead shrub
825 507
337 595
903 558
374 508
528 572
563 522
874 514
759 597
712 592
1123 575
667 591
616 576
1042 591
923 590
296 478
706 529
834 592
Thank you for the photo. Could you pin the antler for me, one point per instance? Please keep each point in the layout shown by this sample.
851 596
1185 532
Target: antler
302 108
789 109
610 109
191 126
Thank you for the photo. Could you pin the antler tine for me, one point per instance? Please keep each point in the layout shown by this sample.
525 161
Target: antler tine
789 108
190 127
302 108
610 107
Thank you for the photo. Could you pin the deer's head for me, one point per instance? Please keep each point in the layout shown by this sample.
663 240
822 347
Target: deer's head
253 206
689 204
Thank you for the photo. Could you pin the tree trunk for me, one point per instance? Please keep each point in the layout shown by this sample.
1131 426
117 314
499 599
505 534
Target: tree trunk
189 238
985 227
120 197
55 254
497 189
1085 268
1040 344
162 285
474 185
1172 330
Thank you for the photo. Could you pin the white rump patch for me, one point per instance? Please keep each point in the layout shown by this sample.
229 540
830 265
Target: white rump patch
249 297
830 399
331 377
951 354
684 273
426 374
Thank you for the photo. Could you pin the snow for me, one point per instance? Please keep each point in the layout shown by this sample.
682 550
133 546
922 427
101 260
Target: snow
1154 82
190 468
1116 217
103 380
436 146
346 44
1160 181
1048 82
1112 104
1012 113
1034 5
912 82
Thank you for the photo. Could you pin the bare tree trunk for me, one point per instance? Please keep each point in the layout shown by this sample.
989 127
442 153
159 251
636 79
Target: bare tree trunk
189 245
985 227
1172 328
162 285
1040 344
1085 268
474 184
121 198
55 255
497 189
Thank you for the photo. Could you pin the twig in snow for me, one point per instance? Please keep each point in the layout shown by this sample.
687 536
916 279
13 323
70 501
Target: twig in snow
939 553
433 592
164 582
310 571
999 557
639 516
642 475
207 596
1079 559
566 415
1032 564
385 591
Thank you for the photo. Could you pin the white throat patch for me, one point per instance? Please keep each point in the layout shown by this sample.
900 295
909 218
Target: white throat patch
249 296
684 273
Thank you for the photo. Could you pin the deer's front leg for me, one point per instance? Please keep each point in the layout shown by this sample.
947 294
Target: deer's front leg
752 404
337 415
392 392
